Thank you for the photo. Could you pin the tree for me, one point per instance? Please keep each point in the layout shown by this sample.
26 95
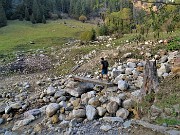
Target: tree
37 12
33 19
44 20
27 16
83 18
3 19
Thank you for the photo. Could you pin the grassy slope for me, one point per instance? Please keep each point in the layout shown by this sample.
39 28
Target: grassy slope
17 35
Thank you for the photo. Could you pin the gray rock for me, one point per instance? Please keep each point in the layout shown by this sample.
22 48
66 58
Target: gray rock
112 107
123 113
164 59
122 96
101 111
50 90
59 93
94 102
63 104
80 89
127 124
173 132
22 123
91 112
10 133
136 95
1 121
128 71
52 109
139 82
118 78
64 124
80 113
34 112
105 128
122 85
115 73
8 109
52 100
131 65
16 105
128 104
165 68
115 99
113 119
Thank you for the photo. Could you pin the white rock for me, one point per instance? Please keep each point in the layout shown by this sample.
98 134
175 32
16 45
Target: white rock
52 109
128 71
139 82
80 113
91 112
122 85
165 68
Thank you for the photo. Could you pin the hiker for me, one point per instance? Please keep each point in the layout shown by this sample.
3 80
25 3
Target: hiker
104 68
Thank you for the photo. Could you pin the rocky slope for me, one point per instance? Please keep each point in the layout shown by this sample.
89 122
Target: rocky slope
42 103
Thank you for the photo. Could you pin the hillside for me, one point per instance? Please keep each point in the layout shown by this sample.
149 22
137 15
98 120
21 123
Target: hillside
41 97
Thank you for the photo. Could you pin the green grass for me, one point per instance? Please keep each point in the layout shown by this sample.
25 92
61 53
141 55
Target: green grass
17 35
168 121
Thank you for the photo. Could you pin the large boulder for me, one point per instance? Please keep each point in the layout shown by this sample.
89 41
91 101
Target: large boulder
122 85
112 107
91 112
52 109
123 113
79 88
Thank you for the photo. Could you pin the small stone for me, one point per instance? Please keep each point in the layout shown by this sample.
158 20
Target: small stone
122 85
127 124
50 90
105 128
101 111
91 112
1 121
52 109
80 113
55 119
112 107
128 104
123 113
94 102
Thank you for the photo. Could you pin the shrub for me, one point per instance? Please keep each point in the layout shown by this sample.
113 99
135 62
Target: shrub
88 35
103 30
174 44
83 18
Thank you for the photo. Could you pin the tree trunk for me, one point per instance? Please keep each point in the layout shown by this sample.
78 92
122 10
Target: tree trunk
150 80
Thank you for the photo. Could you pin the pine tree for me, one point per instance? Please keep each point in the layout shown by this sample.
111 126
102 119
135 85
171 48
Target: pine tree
44 20
3 19
27 16
33 19
37 12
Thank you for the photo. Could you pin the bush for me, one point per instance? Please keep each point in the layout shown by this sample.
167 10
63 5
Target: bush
83 18
103 30
88 35
174 44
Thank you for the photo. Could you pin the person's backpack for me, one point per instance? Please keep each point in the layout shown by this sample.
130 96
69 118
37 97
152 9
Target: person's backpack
106 64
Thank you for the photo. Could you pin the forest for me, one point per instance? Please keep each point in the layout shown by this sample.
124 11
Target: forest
118 16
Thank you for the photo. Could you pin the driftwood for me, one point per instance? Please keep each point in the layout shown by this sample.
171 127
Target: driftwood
150 80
